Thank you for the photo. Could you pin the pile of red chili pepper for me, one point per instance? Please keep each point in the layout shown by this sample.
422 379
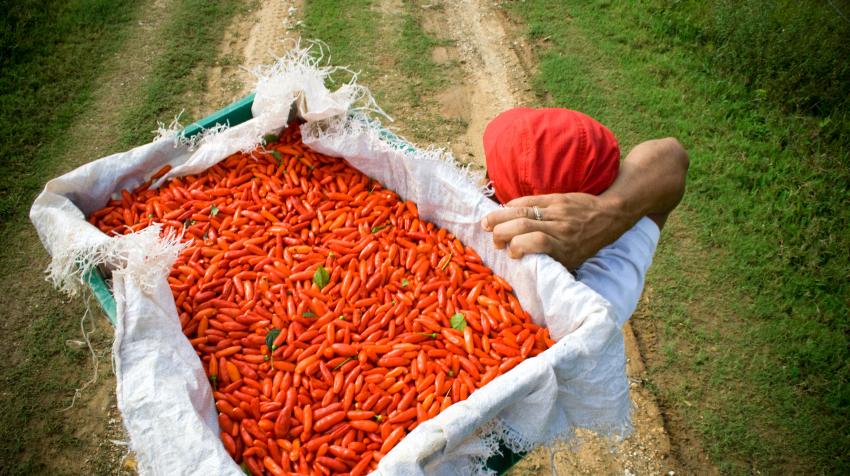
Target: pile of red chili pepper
330 318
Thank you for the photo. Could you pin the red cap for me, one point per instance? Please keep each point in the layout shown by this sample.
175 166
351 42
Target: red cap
540 151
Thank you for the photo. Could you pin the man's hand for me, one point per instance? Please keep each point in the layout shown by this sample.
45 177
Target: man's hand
575 226
572 228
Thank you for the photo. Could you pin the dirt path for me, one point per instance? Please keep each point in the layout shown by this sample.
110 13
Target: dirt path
495 80
687 444
93 135
252 39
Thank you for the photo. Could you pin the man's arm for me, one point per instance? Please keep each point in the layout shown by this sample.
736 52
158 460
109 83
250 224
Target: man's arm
618 271
575 226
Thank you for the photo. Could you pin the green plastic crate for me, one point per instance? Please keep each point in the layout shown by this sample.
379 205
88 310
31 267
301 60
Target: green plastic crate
237 113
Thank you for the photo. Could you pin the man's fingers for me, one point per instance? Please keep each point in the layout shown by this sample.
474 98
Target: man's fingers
534 200
522 207
504 232
529 243
503 215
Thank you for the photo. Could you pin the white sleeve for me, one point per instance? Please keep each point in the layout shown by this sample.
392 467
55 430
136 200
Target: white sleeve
617 272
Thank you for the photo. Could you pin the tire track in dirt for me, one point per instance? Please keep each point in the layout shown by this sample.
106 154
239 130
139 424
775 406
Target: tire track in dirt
687 445
495 79
267 30
496 61
94 135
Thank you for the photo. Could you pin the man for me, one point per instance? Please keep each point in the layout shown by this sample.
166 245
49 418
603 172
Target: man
565 193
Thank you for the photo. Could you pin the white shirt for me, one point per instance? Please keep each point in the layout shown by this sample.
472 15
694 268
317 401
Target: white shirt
617 272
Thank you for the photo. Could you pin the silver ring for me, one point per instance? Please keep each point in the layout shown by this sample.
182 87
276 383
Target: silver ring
537 215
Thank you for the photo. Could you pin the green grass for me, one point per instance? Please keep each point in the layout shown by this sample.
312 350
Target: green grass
373 43
53 54
391 53
350 30
788 52
422 78
52 51
767 200
35 380
414 58
192 38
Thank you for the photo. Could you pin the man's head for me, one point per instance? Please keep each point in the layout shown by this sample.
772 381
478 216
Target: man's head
542 151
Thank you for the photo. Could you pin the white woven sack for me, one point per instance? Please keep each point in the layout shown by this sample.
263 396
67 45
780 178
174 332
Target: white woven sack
163 394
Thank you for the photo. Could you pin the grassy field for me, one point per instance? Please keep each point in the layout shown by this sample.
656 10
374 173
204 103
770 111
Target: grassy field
52 56
752 298
56 56
52 52
390 51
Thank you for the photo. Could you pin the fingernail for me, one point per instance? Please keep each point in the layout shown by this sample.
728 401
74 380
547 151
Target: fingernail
484 224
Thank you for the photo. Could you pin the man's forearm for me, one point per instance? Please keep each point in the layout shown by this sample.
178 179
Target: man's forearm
572 227
651 182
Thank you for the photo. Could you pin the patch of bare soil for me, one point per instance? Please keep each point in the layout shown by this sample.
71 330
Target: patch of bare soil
267 30
494 77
